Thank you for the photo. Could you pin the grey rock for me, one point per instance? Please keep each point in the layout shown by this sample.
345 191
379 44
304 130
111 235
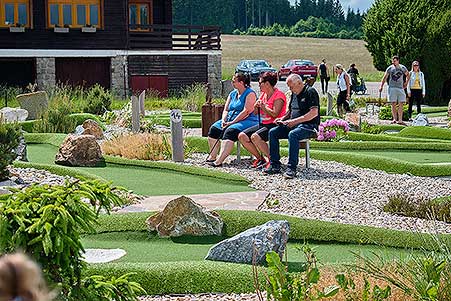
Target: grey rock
79 130
183 216
35 103
420 120
13 114
252 243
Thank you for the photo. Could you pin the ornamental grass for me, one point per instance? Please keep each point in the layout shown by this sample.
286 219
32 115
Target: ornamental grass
142 146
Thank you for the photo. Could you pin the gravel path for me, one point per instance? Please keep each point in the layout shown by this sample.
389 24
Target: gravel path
332 191
204 297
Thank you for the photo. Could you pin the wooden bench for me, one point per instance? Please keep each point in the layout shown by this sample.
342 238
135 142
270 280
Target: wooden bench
304 144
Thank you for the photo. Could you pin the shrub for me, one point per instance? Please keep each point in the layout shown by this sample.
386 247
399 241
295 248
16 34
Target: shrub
385 113
57 118
145 146
9 140
194 97
333 130
98 100
439 209
47 222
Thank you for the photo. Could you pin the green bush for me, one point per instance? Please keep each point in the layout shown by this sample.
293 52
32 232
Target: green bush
426 132
56 119
98 100
377 129
438 209
47 221
385 113
9 140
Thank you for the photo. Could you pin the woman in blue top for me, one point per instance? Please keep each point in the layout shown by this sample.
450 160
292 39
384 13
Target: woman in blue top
237 116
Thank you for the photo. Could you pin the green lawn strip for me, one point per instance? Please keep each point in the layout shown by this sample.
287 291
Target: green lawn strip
175 263
54 139
358 136
78 117
426 110
300 229
404 155
426 132
378 145
146 178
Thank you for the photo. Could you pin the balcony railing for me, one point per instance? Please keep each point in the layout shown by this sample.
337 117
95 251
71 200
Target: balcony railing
183 37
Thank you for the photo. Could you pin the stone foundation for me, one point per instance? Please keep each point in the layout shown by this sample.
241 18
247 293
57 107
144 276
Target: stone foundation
119 72
215 74
45 72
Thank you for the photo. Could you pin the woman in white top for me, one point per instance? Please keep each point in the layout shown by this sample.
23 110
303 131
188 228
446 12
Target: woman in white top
344 88
416 88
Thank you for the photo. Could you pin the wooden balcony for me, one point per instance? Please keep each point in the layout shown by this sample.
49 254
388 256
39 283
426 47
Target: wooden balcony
173 37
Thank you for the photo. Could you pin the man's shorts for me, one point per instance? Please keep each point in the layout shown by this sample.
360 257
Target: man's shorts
396 95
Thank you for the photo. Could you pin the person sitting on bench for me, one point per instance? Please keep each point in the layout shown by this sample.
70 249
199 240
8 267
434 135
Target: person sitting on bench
300 122
237 116
270 105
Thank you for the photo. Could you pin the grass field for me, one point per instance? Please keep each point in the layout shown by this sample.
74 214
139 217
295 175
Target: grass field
278 50
143 180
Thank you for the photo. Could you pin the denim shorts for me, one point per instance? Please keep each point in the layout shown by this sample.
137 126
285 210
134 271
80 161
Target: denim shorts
396 95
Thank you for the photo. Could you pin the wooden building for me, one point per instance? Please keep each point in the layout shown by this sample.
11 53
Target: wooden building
124 45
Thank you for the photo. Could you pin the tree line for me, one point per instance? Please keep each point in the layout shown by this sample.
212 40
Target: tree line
244 14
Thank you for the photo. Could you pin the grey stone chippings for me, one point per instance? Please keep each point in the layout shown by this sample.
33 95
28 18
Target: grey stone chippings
336 192
205 297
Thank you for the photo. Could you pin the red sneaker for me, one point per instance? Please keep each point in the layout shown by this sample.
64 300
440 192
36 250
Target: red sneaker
258 162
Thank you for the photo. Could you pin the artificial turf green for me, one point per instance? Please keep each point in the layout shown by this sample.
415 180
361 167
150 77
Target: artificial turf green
142 247
144 180
411 156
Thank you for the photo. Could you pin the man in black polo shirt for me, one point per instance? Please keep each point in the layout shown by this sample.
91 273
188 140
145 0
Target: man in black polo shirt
300 122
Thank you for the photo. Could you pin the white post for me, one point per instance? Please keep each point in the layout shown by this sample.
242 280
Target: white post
135 114
177 136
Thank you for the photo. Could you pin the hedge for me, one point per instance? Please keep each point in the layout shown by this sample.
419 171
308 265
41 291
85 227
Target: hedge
79 118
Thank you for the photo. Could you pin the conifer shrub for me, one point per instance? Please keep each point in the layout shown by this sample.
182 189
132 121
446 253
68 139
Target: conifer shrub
9 140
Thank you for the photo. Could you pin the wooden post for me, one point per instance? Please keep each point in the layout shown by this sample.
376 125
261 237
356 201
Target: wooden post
330 104
177 136
141 98
135 114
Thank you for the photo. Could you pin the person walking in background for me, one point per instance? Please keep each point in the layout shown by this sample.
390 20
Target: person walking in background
237 116
21 280
353 73
344 88
416 87
300 122
271 105
324 76
396 85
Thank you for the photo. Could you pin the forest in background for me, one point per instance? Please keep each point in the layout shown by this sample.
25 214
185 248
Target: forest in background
306 18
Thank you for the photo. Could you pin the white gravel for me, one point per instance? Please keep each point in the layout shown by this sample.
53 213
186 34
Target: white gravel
332 191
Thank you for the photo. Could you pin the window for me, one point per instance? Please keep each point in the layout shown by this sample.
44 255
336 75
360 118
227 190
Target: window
140 15
75 13
14 12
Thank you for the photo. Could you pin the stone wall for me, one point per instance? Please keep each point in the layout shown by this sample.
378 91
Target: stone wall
215 74
45 72
119 72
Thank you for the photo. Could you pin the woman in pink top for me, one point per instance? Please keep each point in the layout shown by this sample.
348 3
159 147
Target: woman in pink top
270 105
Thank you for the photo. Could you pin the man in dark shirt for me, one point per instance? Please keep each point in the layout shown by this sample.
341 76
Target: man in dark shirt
300 122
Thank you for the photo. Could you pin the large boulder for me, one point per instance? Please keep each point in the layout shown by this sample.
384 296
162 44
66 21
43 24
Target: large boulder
92 128
13 115
182 216
252 243
35 103
80 150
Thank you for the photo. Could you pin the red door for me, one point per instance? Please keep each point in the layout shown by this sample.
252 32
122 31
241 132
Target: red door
155 83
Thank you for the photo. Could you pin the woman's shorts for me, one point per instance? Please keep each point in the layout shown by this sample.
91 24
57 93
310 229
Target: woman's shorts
262 130
396 95
227 134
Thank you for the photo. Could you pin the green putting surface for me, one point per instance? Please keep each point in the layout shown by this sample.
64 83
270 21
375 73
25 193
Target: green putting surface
143 180
142 247
423 157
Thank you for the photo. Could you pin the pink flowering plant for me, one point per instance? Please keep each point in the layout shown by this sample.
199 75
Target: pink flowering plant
332 130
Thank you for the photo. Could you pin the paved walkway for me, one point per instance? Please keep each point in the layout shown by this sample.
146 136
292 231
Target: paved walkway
227 201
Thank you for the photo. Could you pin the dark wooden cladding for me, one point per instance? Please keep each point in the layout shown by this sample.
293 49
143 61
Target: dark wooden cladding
84 72
112 36
182 70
